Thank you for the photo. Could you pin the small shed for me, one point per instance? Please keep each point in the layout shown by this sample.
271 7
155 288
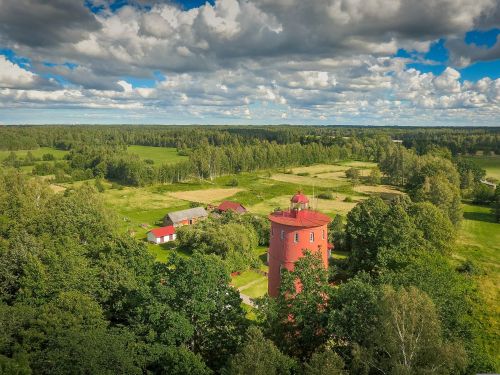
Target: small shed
162 234
231 206
185 217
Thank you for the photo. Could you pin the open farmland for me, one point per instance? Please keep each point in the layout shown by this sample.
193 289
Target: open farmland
308 181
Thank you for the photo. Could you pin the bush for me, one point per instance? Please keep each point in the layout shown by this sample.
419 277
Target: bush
233 182
116 186
303 174
326 195
48 157
348 199
149 161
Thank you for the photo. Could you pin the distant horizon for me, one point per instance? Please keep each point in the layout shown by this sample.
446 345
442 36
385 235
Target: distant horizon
250 62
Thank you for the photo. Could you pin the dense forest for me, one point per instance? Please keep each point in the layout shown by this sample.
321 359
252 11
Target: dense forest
79 296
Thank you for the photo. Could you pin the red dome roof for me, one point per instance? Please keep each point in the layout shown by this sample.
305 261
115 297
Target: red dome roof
300 198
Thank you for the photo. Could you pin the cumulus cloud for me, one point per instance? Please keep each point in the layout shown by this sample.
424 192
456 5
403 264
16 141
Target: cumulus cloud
248 59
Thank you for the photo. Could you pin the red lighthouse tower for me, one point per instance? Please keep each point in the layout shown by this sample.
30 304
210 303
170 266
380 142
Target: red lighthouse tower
293 231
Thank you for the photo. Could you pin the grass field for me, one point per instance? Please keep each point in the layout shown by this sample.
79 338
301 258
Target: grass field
160 155
479 242
490 163
38 153
308 180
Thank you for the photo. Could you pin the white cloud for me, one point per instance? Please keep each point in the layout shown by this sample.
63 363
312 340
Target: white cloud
12 75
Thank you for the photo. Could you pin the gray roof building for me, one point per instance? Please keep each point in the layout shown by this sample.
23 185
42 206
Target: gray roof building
185 217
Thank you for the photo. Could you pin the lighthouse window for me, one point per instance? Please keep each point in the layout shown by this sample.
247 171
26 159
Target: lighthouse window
272 231
282 234
323 234
296 237
311 237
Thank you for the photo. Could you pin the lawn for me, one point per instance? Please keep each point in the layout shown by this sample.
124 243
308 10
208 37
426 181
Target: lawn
160 155
479 242
490 163
258 289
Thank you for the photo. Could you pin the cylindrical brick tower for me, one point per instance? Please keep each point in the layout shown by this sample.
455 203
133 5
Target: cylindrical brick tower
293 231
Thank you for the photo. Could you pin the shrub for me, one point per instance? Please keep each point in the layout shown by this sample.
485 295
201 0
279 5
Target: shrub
48 157
303 174
326 195
233 182
348 199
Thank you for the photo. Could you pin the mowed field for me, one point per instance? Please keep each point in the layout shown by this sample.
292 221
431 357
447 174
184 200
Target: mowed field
489 163
160 155
479 242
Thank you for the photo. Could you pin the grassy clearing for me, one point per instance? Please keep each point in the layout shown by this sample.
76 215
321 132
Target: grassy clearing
383 191
320 168
258 289
358 164
479 242
490 163
160 155
205 195
38 153
245 278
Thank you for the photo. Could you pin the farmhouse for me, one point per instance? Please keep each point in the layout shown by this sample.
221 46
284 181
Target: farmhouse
231 206
185 217
162 235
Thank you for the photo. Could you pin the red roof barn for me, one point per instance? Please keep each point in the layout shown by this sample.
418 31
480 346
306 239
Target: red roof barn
162 234
231 206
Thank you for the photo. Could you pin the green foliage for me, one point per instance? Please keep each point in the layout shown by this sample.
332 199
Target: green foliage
375 177
296 321
48 157
326 195
355 310
336 234
232 241
437 230
179 361
325 362
200 290
409 334
483 194
496 204
259 356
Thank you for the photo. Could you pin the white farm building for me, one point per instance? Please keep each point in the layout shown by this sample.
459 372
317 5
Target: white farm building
162 235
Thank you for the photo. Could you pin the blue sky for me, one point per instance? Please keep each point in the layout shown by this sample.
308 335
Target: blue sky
390 62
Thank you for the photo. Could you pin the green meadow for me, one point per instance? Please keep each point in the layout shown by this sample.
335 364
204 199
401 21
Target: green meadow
160 155
489 163
38 153
479 243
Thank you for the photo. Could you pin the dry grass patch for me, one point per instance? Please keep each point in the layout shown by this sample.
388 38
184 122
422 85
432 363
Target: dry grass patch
336 206
319 168
384 191
137 198
57 188
306 180
360 164
206 195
